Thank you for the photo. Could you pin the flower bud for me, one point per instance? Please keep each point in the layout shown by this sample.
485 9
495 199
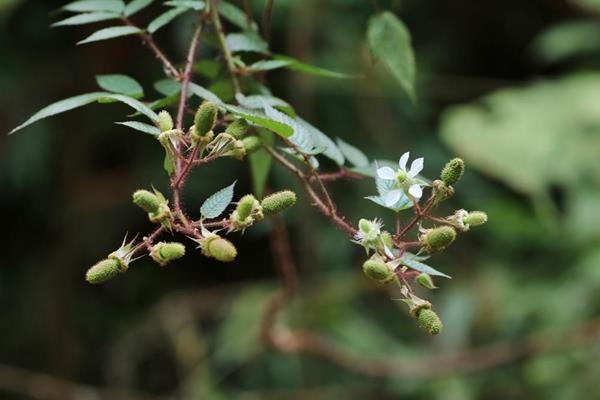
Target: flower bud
147 200
429 321
205 118
238 128
238 150
377 270
437 239
425 280
165 122
216 247
453 171
251 144
163 253
104 270
475 218
442 191
278 202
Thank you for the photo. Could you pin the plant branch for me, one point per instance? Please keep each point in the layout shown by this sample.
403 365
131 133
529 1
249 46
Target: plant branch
187 73
216 19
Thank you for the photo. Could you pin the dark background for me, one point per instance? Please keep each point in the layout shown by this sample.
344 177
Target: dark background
188 330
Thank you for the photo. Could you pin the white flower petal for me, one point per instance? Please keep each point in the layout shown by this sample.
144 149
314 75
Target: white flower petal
415 191
386 173
416 167
392 197
403 161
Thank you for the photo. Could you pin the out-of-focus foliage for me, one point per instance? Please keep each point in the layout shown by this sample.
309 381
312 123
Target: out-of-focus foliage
528 131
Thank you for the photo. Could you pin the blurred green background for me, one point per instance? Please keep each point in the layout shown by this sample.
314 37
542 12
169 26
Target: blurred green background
511 86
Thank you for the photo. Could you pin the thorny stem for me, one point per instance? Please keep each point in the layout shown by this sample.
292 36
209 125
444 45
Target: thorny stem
216 19
148 40
187 74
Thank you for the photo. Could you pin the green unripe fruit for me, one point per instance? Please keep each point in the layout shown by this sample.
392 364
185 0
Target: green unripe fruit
453 171
278 202
244 206
205 118
377 270
148 201
438 239
221 249
104 270
163 253
429 321
165 122
475 218
442 191
238 128
364 225
425 281
251 144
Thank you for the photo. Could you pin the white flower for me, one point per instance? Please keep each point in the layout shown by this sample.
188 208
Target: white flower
405 180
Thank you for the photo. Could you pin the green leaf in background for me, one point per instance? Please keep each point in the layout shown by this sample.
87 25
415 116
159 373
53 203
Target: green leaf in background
260 119
356 157
136 5
217 203
267 65
260 164
82 100
568 40
115 6
415 262
527 137
110 33
389 41
168 87
321 140
236 16
258 101
297 65
247 42
120 84
87 18
141 126
204 93
192 4
164 18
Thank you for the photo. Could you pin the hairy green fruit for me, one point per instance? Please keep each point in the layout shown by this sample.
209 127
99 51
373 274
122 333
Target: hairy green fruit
238 128
251 144
377 270
165 121
216 247
147 200
205 118
104 270
438 239
244 206
475 218
429 321
453 171
278 202
163 253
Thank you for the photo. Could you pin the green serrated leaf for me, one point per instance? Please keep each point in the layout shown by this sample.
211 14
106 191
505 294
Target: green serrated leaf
82 100
115 6
236 16
135 6
356 157
297 65
414 262
247 42
321 140
142 127
389 41
217 203
164 18
260 164
87 18
192 4
110 33
121 84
